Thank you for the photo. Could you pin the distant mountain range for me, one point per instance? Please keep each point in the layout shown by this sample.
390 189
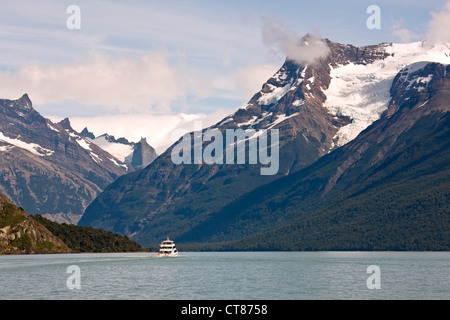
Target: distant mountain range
138 155
50 169
364 149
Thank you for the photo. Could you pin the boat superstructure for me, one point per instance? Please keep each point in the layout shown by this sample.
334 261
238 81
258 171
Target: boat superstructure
167 248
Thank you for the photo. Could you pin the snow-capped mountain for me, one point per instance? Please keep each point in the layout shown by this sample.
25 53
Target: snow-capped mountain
138 155
96 152
122 149
353 84
387 189
49 168
317 109
362 91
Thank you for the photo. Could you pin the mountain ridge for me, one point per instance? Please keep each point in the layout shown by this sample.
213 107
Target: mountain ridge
49 168
21 233
135 154
370 208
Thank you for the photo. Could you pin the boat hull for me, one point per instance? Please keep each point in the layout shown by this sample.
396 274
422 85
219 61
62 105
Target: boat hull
168 254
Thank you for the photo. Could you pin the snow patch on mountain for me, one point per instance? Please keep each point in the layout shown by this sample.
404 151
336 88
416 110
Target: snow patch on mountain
414 82
255 120
121 151
5 148
280 119
249 122
227 119
51 127
85 143
31 147
298 102
275 95
118 164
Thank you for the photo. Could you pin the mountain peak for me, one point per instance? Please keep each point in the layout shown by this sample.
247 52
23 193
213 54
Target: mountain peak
65 124
20 109
143 154
86 133
110 138
416 84
25 101
23 104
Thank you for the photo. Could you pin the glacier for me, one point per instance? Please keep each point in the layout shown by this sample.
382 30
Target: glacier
362 91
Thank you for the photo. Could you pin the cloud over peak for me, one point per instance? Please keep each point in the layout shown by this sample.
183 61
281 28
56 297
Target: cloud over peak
302 50
439 25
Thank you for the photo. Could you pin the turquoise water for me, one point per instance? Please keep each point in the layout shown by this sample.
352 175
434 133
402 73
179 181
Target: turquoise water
228 275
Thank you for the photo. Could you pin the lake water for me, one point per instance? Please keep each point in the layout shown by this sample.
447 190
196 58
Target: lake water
228 275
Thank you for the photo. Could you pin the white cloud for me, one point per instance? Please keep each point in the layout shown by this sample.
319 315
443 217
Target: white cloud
240 82
249 80
403 34
56 65
127 84
280 39
439 25
158 129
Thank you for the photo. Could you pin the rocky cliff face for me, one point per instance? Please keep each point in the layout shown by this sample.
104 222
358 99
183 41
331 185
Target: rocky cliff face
143 154
20 233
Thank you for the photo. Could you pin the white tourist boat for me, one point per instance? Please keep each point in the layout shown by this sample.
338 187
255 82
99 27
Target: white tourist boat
167 249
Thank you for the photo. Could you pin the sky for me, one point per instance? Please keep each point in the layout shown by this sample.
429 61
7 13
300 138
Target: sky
143 68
